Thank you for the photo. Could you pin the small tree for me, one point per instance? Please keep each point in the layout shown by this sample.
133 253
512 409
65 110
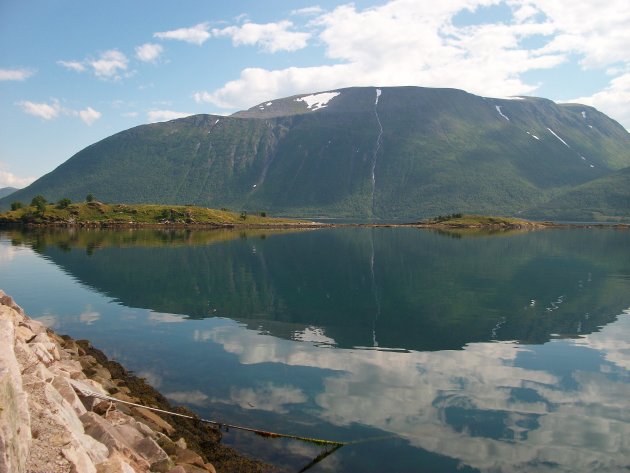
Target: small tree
16 205
89 198
63 203
39 202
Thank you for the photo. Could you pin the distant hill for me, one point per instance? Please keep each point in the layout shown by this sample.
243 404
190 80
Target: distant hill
390 152
5 191
606 198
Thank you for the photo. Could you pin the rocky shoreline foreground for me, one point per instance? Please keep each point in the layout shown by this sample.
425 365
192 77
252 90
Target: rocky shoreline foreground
47 425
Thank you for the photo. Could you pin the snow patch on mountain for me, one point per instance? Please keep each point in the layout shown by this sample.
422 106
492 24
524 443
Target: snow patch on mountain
554 134
498 107
378 94
584 114
532 135
317 101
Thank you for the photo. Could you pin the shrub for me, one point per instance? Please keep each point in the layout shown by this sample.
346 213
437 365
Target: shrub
63 203
263 214
16 205
243 215
39 202
89 198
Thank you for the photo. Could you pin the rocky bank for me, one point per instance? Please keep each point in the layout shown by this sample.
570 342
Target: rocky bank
48 426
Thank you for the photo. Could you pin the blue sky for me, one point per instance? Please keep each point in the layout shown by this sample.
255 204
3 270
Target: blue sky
75 72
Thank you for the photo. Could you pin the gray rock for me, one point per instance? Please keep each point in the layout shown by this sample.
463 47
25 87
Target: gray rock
15 425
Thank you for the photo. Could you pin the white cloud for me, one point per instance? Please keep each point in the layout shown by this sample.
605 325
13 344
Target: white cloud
46 111
52 110
613 100
76 66
149 52
403 42
15 74
165 115
8 179
597 31
89 115
109 64
271 37
197 34
411 42
307 11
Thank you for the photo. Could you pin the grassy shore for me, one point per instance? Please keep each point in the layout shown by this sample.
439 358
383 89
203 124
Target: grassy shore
479 221
106 215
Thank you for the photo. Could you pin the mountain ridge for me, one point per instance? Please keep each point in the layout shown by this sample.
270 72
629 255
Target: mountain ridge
365 152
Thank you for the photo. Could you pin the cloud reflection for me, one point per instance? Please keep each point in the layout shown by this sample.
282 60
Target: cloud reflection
267 397
612 341
89 315
438 400
195 398
165 318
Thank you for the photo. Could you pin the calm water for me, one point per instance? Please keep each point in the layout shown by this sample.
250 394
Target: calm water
434 352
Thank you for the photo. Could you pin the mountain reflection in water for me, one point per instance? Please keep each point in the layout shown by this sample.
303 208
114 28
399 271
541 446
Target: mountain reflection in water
493 353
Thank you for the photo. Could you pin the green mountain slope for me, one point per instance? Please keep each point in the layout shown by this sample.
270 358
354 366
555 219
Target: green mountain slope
397 152
606 198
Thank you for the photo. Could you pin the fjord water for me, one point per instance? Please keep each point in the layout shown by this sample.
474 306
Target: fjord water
430 351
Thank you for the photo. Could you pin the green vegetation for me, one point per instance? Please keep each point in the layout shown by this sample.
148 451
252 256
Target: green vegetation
63 203
478 221
604 199
441 151
39 202
100 214
16 205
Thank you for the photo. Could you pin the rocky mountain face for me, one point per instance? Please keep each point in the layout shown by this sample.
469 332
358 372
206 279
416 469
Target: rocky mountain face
383 153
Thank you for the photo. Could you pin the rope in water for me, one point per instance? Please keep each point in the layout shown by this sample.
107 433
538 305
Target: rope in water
262 433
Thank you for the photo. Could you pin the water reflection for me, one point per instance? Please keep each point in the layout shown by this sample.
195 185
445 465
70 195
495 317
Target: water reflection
492 406
393 288
506 353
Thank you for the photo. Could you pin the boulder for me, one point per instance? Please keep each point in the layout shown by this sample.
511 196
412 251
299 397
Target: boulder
41 351
115 464
154 420
79 460
15 425
65 389
184 455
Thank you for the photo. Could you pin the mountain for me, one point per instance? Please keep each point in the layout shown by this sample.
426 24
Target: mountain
391 152
5 191
605 198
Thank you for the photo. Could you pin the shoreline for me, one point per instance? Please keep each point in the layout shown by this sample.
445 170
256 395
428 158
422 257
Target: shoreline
48 425
311 225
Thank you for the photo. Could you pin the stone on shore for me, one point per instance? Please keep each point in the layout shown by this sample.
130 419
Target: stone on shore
49 424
